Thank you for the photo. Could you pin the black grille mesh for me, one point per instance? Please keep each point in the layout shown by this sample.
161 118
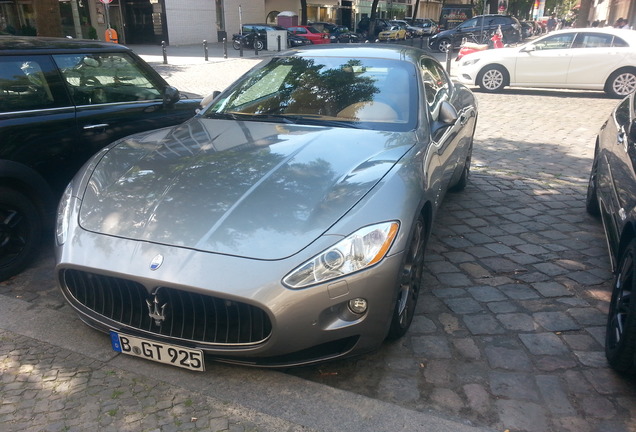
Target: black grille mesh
189 316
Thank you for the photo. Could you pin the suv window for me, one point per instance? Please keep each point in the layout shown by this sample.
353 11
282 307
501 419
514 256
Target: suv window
23 84
105 78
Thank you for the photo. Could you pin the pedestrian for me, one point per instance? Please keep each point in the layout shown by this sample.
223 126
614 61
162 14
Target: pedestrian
552 23
621 23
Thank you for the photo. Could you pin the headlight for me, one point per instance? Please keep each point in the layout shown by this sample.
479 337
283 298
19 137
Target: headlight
63 215
470 62
358 251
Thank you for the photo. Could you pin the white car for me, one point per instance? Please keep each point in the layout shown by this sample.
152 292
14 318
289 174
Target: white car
585 58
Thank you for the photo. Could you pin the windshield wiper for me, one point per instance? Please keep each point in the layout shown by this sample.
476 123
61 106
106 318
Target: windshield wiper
308 119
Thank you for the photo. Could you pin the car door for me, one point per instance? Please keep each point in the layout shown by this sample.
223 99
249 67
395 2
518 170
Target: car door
37 120
448 144
115 96
594 57
545 61
616 177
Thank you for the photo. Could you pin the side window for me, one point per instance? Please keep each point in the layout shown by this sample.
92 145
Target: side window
561 41
592 40
618 42
106 78
24 85
436 85
470 23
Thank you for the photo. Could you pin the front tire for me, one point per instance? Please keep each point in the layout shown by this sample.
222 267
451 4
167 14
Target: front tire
620 336
492 79
259 45
410 282
621 83
444 45
236 44
20 232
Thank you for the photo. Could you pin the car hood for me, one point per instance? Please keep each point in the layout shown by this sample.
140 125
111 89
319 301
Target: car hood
252 189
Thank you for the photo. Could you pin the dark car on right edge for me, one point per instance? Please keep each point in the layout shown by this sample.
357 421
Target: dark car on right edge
480 28
611 194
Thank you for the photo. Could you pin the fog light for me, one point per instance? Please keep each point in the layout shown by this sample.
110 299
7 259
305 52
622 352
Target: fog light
358 305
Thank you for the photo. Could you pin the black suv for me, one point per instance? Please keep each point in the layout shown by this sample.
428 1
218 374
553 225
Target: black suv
61 100
478 29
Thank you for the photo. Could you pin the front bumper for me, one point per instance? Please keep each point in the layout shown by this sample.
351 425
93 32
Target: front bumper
304 326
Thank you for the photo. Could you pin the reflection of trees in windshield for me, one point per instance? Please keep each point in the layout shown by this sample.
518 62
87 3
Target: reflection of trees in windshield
301 86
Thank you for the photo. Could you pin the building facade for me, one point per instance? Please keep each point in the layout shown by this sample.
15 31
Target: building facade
180 22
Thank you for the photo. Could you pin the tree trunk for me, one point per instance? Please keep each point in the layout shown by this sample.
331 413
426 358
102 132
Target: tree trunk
303 12
374 14
415 10
584 11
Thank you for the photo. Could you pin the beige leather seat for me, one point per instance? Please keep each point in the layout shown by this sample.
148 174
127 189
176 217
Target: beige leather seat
369 111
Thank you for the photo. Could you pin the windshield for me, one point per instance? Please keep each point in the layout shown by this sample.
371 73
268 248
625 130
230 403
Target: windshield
361 93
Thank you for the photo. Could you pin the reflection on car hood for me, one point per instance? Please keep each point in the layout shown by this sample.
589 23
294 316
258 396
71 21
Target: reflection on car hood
260 190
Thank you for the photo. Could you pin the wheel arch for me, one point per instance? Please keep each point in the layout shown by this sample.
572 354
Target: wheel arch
28 182
627 235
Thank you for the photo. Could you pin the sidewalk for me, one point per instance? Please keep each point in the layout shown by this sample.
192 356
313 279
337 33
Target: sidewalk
58 375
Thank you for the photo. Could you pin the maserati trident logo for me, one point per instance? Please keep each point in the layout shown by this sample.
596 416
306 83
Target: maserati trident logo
156 262
156 311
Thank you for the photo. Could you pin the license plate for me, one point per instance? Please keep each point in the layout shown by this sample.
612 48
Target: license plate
158 351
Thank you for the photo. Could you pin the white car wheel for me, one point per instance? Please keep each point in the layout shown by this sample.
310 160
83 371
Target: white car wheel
492 79
621 83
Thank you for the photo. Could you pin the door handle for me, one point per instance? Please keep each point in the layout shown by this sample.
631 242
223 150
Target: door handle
96 126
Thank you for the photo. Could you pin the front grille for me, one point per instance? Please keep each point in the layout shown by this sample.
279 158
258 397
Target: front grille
189 316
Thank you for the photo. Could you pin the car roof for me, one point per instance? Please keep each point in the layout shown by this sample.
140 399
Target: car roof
354 50
20 44
627 34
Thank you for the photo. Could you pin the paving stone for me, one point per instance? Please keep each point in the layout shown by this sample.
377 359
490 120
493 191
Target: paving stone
554 395
482 324
543 343
555 321
507 359
463 305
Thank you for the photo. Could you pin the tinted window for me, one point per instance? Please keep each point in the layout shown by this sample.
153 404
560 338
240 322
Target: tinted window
24 84
473 22
106 78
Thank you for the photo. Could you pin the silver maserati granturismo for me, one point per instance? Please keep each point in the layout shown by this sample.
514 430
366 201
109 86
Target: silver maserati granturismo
284 224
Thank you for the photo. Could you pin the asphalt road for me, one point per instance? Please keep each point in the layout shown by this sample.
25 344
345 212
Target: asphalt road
508 333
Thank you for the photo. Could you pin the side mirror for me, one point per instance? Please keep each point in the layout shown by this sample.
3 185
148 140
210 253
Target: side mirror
209 98
528 48
170 96
447 114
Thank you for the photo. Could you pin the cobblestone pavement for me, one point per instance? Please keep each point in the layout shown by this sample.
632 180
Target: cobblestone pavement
509 330
45 388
